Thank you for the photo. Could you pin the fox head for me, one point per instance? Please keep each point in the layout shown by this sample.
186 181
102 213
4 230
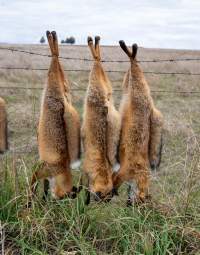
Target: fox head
61 187
101 186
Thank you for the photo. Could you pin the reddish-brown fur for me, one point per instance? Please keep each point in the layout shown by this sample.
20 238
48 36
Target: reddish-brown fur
58 130
141 129
101 127
3 127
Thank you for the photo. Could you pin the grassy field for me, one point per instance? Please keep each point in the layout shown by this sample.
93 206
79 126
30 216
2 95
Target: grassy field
169 224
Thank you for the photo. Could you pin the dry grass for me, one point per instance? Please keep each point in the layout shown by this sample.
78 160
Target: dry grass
169 225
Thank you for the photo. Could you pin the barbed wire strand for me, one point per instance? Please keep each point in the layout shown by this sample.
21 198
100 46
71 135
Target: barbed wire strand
87 70
22 85
104 60
185 93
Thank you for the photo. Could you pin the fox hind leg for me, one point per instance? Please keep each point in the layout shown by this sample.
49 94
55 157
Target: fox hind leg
46 189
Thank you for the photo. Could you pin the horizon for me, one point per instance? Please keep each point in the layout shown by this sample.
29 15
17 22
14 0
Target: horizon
102 45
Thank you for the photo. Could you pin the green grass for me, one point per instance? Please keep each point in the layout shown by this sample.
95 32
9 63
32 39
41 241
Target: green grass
167 225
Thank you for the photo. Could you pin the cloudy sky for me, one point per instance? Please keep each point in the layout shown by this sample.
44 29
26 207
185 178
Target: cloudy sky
150 23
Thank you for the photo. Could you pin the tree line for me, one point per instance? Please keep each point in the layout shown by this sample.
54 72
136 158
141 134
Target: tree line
68 40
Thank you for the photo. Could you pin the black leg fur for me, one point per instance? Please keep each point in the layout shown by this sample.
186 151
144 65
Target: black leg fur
46 189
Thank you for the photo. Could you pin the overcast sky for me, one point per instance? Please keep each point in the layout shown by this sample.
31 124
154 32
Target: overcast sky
157 23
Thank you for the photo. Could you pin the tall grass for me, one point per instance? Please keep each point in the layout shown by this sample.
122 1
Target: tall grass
169 224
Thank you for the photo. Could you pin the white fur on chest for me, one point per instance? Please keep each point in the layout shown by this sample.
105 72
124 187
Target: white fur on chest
75 164
116 167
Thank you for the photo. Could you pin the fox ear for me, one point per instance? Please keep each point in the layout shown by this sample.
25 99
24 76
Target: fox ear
115 192
134 50
74 189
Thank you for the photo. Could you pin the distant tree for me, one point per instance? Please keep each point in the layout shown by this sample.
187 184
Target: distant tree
62 41
70 40
42 40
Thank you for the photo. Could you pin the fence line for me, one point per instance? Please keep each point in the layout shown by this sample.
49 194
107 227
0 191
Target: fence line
185 93
104 60
88 70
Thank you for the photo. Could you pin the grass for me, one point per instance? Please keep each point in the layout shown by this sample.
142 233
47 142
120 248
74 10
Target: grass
58 227
169 224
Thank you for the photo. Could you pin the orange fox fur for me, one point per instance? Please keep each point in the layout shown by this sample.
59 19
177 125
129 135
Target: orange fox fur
141 130
100 129
58 130
3 127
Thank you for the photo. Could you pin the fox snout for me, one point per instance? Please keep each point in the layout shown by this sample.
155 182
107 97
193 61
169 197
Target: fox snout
72 194
98 196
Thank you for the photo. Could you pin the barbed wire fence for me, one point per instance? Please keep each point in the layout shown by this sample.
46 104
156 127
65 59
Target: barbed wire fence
20 86
187 93
87 70
103 60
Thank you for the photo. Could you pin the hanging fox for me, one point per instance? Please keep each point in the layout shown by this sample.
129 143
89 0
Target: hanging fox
100 129
58 131
141 132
